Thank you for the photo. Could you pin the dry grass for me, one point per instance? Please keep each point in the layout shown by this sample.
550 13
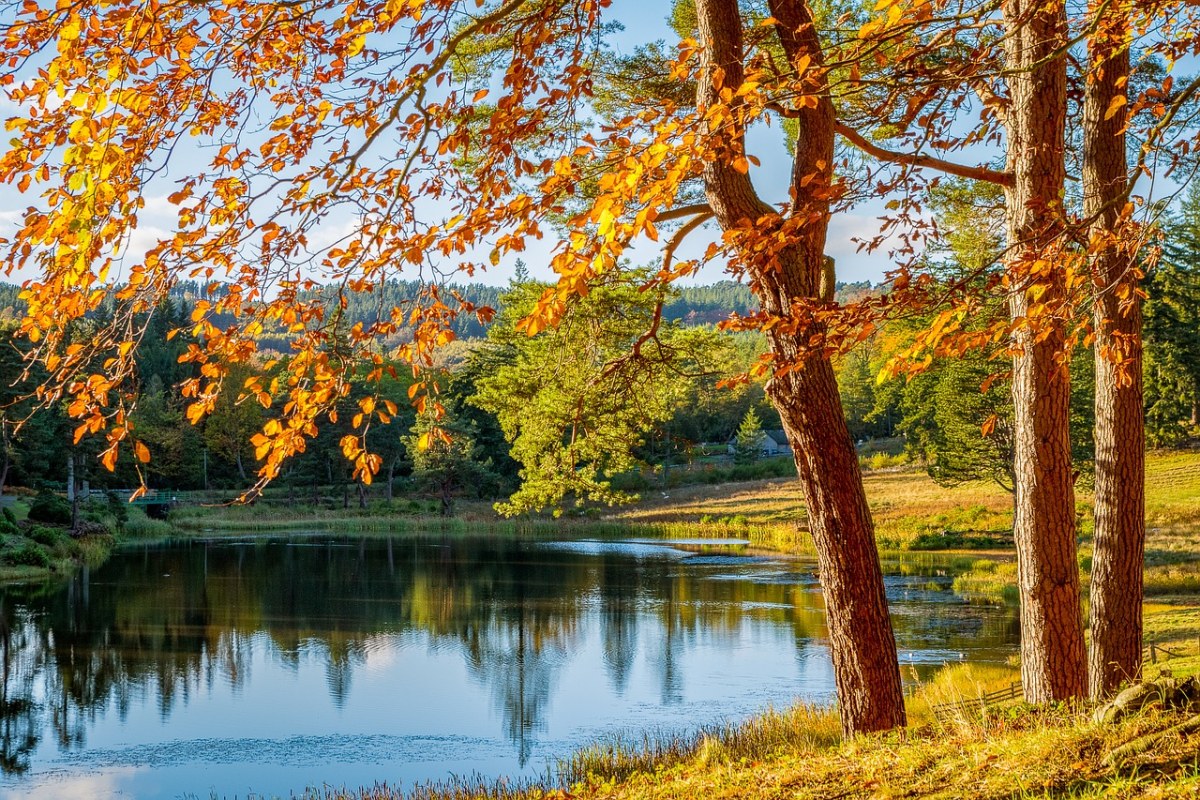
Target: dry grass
910 510
1056 753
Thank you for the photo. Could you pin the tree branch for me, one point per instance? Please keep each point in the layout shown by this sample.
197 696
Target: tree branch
680 235
684 211
918 160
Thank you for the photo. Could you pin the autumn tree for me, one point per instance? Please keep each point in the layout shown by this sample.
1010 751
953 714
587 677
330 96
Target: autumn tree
368 111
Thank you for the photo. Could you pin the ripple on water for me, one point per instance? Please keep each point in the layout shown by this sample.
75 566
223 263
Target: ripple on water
294 751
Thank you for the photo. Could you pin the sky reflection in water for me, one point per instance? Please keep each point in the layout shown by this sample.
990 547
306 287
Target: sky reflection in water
237 667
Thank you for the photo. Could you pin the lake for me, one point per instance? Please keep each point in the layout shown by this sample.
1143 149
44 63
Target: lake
260 667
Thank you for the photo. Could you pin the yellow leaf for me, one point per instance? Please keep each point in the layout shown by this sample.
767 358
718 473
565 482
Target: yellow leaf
356 46
1117 103
142 452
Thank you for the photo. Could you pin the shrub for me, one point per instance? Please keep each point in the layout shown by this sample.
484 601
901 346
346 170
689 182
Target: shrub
141 526
51 508
28 554
43 535
8 524
55 540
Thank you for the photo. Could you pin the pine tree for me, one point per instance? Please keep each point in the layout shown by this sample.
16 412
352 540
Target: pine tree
750 439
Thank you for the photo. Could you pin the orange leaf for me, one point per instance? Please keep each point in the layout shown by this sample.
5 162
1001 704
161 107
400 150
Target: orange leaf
142 452
989 425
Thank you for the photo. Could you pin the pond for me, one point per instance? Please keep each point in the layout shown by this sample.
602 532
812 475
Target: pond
257 668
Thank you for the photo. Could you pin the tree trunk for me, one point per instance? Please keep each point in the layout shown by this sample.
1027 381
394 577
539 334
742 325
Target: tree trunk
362 495
870 693
1053 665
240 466
391 481
1115 655
866 670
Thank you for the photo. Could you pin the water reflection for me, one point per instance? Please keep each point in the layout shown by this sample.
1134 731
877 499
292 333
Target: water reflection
214 653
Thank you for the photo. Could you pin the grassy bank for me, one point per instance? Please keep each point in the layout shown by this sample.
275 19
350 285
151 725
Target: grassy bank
1056 753
34 550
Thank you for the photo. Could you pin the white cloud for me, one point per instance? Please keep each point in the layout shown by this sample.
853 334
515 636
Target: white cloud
102 785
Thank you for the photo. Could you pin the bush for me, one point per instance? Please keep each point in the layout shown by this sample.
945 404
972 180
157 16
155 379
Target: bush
51 508
141 526
55 540
28 555
44 535
633 481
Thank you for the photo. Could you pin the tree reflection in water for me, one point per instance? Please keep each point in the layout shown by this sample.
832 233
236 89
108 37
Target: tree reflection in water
162 624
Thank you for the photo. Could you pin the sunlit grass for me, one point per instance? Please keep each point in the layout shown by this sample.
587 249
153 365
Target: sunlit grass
1052 752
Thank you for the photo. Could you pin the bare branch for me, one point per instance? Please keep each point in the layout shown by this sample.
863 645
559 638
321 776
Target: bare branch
918 160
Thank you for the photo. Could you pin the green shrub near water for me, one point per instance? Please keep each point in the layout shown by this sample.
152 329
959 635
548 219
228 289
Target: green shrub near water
139 526
8 524
50 507
27 554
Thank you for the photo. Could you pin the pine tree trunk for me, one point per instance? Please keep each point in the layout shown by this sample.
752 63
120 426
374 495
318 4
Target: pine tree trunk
1053 663
1115 654
866 670
870 693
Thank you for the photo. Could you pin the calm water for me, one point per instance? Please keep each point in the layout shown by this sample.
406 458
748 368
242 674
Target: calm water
260 668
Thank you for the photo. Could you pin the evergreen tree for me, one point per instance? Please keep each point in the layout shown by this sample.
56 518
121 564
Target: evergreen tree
750 439
573 401
1172 331
446 460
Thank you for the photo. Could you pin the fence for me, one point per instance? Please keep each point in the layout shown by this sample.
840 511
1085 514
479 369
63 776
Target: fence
1152 653
944 712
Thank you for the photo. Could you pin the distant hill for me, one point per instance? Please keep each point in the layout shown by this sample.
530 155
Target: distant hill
692 305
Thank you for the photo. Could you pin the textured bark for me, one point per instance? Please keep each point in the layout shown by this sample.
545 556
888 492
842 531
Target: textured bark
1115 653
866 670
1053 661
